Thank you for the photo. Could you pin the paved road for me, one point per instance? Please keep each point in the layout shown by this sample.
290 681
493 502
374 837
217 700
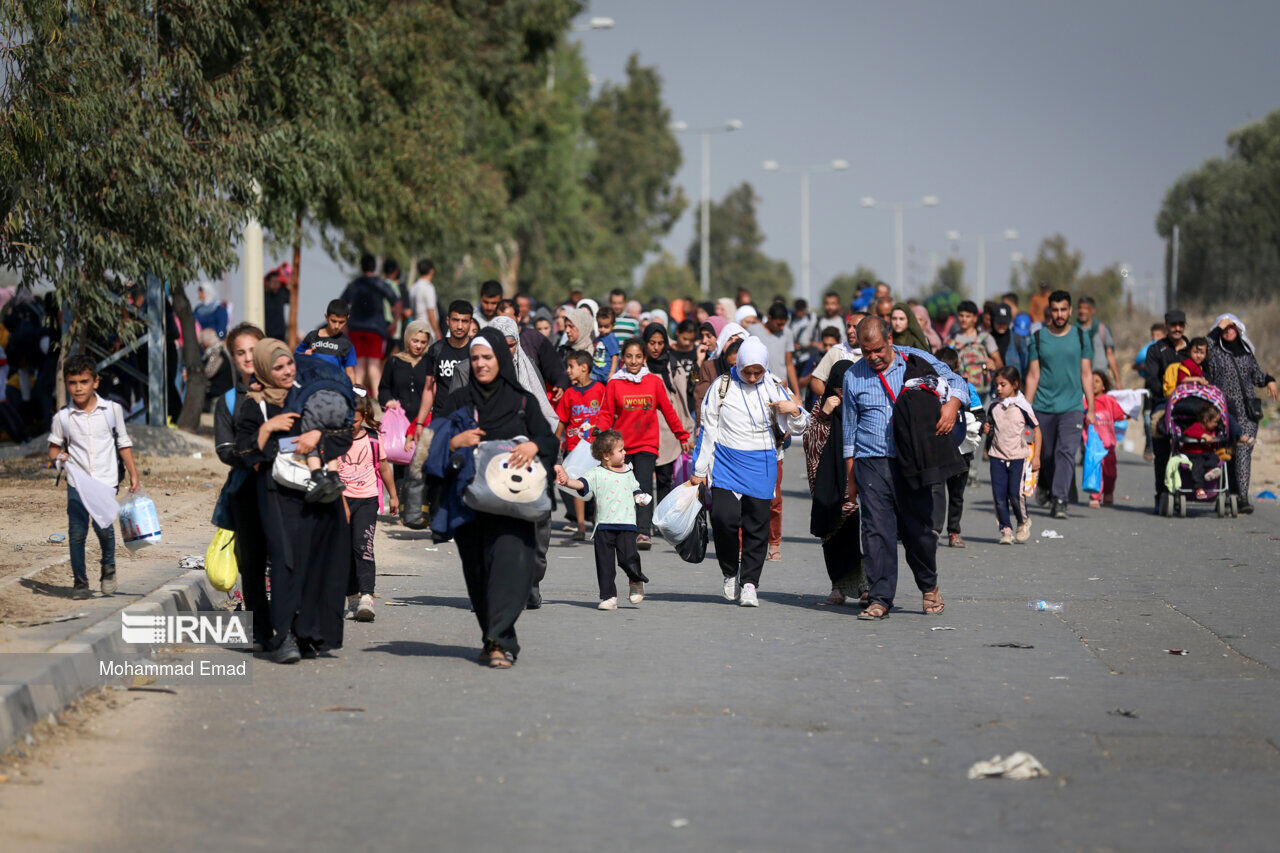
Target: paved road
688 723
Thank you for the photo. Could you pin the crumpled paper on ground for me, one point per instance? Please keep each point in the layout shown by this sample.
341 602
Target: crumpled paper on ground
1018 766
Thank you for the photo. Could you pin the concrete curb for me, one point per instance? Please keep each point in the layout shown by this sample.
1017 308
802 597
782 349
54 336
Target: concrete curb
70 671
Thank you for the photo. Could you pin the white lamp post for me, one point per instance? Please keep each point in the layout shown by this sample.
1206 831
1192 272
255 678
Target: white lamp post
1006 234
927 201
833 166
704 271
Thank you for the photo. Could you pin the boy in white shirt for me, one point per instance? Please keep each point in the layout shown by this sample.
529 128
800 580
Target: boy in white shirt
87 435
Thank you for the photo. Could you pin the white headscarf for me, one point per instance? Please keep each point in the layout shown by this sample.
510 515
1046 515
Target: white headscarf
744 312
753 353
1239 324
530 379
727 334
594 308
210 294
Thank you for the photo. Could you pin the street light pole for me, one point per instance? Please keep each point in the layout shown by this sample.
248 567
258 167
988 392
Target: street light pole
704 255
806 284
1007 234
898 260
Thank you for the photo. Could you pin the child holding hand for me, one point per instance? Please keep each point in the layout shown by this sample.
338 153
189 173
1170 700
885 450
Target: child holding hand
616 493
360 468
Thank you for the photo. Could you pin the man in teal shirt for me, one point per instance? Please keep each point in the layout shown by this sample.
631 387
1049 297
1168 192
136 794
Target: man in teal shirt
1059 375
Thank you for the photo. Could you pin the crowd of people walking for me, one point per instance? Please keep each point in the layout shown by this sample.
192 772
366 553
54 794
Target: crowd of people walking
505 408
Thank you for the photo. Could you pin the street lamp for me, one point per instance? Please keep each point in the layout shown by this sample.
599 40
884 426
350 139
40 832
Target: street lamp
1009 234
704 271
805 171
593 24
927 201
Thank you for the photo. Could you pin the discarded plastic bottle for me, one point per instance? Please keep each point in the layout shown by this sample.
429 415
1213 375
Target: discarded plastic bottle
1046 606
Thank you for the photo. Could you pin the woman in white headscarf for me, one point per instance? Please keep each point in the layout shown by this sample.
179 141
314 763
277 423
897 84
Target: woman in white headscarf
744 416
1232 365
746 316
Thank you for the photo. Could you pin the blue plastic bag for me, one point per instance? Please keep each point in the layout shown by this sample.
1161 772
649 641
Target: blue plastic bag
1094 453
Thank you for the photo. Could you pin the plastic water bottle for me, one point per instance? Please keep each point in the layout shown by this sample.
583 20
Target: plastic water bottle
1046 606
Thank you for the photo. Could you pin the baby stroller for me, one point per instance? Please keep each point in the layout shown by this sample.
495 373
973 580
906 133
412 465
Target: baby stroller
1177 419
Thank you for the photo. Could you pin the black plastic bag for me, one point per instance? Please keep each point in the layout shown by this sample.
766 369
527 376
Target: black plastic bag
694 547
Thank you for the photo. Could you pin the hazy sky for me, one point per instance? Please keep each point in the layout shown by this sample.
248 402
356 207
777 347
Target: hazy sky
1066 117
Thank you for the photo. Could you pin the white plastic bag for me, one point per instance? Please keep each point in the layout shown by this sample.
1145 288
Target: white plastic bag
98 498
139 522
578 462
677 513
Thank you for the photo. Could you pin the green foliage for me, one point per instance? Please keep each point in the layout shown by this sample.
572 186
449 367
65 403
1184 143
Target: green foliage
950 279
668 278
1228 214
1063 269
736 259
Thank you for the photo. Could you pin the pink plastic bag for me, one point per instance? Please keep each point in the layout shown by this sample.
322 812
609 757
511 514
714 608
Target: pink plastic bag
395 444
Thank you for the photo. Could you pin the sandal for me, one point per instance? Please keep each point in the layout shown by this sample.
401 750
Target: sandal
836 597
874 612
775 553
933 604
498 659
579 536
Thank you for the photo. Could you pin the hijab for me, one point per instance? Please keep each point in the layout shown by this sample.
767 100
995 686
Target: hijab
1241 345
913 335
527 375
657 315
210 294
726 306
265 353
590 305
417 327
727 333
744 312
753 353
930 334
660 366
581 320
716 322
499 402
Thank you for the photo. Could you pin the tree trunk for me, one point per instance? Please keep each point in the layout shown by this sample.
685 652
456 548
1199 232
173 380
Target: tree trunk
508 253
293 281
197 384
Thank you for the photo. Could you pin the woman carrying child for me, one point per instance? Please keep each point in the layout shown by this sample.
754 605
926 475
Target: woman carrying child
1008 418
616 493
630 400
306 541
360 469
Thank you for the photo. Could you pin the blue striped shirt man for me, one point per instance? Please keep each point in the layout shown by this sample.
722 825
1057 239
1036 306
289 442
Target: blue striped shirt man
867 409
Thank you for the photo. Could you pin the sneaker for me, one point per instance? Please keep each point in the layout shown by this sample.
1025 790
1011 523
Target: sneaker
608 604
80 590
1059 510
1042 497
109 582
748 598
317 487
637 592
1213 475
955 540
364 611
731 589
1201 494
335 487
643 542
288 651
1024 531
1006 536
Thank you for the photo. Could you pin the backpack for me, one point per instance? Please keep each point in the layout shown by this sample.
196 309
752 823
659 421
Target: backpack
366 301
780 439
973 363
64 416
1079 337
317 374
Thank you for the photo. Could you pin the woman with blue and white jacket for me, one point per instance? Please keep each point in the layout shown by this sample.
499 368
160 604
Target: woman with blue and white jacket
738 454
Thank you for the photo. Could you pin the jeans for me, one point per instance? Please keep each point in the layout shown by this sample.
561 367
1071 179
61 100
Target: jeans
1061 433
78 531
1006 488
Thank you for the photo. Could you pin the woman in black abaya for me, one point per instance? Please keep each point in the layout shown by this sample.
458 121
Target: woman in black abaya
497 551
831 517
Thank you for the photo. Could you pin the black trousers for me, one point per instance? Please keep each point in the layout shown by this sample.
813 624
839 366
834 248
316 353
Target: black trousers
364 523
842 552
748 515
308 547
498 564
891 511
614 544
1162 447
664 475
948 500
251 556
643 464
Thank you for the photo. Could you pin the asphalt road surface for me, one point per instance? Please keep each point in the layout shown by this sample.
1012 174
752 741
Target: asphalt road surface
688 723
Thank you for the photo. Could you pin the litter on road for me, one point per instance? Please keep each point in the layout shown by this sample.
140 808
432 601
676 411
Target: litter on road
1018 766
1009 646
940 628
1051 534
1181 652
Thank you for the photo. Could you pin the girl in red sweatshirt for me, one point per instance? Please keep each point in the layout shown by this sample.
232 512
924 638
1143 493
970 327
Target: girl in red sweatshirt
632 400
